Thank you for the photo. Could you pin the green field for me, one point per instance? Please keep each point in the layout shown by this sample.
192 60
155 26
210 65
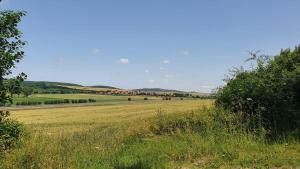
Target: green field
141 135
101 99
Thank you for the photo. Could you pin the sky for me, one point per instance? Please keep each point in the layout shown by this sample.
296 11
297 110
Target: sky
177 44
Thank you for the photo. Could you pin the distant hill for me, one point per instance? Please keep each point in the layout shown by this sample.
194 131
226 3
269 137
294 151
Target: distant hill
61 87
46 84
158 90
103 87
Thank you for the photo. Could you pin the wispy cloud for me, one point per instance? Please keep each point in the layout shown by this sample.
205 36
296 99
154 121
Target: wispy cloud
96 51
124 61
166 61
147 71
185 52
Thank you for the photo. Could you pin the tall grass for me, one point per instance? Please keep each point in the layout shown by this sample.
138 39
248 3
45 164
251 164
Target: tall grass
205 138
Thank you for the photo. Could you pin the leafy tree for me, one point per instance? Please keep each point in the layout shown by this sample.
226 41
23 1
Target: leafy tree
27 91
267 96
10 53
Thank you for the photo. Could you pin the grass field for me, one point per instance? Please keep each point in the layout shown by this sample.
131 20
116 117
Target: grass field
88 88
142 135
101 99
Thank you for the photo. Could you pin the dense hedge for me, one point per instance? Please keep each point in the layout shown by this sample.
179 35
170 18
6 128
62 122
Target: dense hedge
270 93
58 101
65 101
92 100
27 103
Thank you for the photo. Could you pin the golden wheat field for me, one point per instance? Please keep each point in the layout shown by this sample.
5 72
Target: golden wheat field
66 119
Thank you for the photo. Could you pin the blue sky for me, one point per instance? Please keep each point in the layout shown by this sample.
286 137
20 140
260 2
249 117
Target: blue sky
176 44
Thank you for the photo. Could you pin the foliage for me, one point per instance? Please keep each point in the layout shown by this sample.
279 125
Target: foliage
268 95
10 53
26 103
27 91
135 141
10 132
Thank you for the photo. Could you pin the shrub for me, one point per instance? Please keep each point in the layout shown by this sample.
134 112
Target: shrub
267 96
145 98
129 99
166 98
56 101
10 132
92 100
74 101
82 101
66 101
28 103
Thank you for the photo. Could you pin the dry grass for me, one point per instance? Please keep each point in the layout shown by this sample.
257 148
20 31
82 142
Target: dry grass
76 118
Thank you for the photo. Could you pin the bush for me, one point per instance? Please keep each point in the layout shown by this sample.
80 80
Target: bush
28 103
10 132
74 101
166 98
54 102
92 100
267 96
66 101
129 99
145 98
82 101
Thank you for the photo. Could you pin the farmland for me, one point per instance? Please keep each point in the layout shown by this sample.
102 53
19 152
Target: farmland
149 85
122 136
100 99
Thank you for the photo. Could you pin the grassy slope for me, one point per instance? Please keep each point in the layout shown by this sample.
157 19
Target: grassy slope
123 137
89 88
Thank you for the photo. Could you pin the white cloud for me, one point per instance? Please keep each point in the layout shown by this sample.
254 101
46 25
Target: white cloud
147 71
161 68
166 62
185 52
151 81
124 61
96 51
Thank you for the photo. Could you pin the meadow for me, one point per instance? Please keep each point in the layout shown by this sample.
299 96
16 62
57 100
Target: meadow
100 99
143 135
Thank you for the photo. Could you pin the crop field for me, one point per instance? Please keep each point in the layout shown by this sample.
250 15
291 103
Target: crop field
87 88
82 118
139 135
101 99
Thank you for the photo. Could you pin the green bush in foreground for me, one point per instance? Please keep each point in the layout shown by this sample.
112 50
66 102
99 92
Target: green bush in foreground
10 132
267 96
11 53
